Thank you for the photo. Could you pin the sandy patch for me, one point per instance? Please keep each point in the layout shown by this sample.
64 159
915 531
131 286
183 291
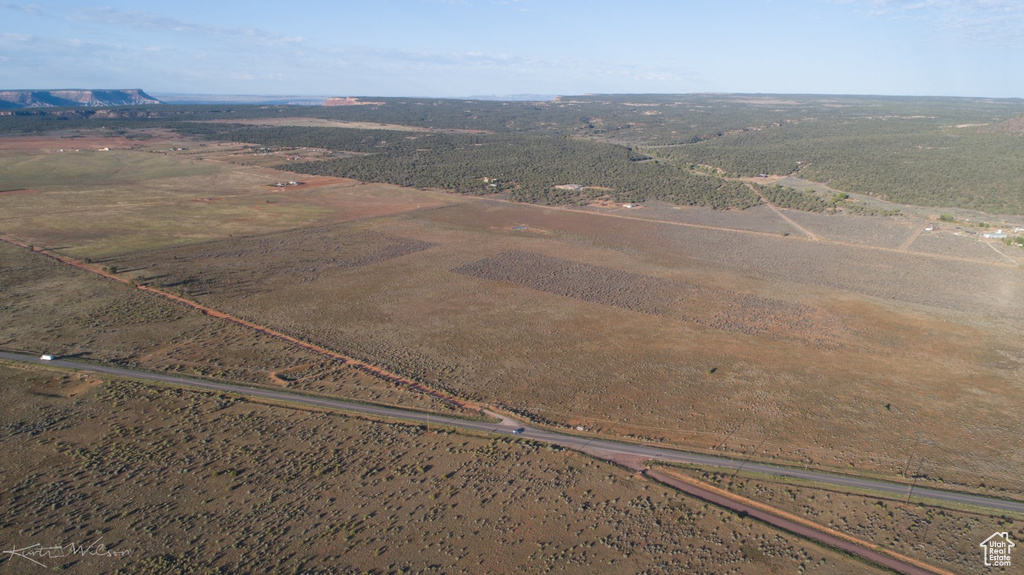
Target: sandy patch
324 123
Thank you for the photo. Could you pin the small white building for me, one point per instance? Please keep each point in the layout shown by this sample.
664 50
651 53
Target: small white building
996 235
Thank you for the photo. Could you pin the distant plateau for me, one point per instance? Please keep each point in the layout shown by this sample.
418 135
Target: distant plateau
16 99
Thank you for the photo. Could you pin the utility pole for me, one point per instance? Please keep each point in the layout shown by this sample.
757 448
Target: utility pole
914 483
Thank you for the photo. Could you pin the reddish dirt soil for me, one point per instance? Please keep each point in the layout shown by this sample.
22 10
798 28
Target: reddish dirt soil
359 365
308 182
317 122
803 528
613 204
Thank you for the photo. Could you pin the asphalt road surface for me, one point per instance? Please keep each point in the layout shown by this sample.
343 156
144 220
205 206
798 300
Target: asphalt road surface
608 447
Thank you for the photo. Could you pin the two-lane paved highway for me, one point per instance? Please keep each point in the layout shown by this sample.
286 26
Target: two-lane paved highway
612 448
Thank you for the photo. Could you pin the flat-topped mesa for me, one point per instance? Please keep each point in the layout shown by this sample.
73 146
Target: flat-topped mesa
349 101
74 98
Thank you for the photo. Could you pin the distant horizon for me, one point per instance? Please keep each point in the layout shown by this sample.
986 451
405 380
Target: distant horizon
525 96
174 95
557 95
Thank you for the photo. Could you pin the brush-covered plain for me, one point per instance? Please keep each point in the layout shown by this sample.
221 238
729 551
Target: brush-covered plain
824 353
187 482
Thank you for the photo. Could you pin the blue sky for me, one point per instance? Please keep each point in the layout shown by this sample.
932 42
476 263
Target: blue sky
452 48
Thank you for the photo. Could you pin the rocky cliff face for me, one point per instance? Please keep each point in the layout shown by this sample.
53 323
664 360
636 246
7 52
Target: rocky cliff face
71 98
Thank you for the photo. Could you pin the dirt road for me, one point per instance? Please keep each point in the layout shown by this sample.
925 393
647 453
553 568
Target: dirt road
630 455
355 363
866 550
810 236
778 212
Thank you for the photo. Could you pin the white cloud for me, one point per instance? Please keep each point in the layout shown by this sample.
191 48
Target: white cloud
26 8
14 37
149 21
987 21
139 20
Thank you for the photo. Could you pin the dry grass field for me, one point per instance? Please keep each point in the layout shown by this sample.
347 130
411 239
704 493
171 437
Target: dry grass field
757 219
51 308
947 242
885 232
713 331
97 204
885 352
188 482
723 310
942 537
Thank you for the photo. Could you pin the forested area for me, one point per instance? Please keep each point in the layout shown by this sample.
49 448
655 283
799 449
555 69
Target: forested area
951 152
910 161
529 167
790 198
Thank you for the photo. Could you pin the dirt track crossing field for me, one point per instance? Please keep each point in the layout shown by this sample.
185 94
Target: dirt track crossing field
863 549
361 366
728 333
804 230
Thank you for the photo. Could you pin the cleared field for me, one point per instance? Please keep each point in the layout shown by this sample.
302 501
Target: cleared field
49 170
97 204
756 219
915 279
191 482
748 314
947 242
885 232
911 342
56 309
72 141
325 123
